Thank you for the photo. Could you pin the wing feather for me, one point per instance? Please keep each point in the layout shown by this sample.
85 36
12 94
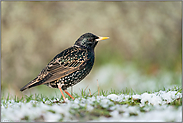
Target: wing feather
61 65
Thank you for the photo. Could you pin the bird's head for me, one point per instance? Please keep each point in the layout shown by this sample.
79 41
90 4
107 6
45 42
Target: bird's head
89 40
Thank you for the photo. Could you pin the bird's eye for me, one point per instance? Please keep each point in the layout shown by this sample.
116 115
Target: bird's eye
89 43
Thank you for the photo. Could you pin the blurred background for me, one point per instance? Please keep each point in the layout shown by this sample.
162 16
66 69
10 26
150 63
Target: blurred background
143 52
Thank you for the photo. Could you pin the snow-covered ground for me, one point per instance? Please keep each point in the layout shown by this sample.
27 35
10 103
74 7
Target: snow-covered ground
152 107
148 106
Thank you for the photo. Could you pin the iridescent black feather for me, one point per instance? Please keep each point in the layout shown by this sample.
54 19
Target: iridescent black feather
70 66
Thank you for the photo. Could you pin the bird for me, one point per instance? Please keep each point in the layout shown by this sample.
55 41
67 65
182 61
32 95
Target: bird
70 66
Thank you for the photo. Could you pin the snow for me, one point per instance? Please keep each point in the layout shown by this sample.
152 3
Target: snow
112 97
136 97
162 115
89 107
151 99
170 96
50 117
105 103
154 105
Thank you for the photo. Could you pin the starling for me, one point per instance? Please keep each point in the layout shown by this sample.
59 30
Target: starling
70 66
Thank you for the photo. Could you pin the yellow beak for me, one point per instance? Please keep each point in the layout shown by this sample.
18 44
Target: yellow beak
101 38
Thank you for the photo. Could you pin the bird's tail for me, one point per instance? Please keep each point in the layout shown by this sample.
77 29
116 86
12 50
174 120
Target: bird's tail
30 84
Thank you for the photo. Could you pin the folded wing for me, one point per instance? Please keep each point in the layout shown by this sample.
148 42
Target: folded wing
60 66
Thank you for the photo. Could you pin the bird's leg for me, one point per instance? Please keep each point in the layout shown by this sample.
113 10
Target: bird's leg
59 86
68 94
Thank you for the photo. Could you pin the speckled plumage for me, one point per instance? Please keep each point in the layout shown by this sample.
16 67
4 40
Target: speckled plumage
70 66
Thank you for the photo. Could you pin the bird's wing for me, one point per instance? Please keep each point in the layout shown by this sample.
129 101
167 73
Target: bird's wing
63 64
